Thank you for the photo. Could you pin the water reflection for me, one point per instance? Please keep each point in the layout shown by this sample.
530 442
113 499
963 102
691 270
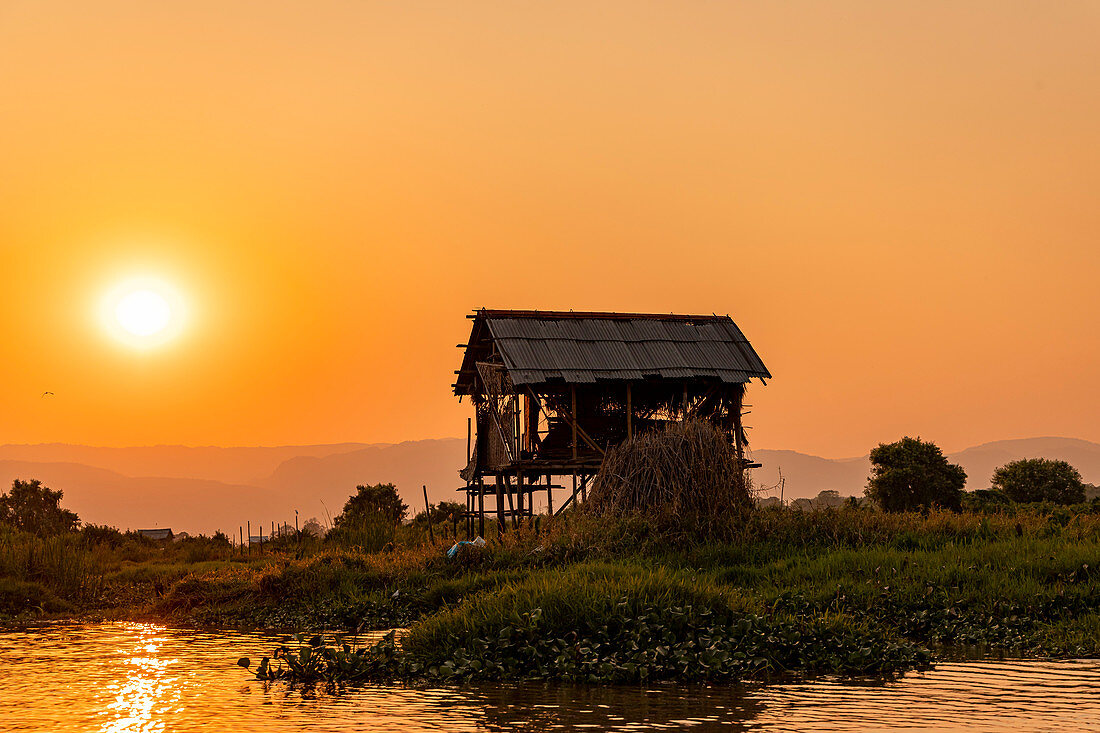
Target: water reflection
147 690
122 678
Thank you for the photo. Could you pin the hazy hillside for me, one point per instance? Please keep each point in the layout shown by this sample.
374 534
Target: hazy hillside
805 475
100 496
204 489
434 463
235 465
315 480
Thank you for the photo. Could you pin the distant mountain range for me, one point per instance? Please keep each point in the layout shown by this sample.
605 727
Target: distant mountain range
202 489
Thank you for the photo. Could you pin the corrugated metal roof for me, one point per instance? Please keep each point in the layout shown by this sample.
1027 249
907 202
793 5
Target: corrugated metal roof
540 347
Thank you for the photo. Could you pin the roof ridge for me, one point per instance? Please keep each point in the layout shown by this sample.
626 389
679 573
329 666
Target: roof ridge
596 315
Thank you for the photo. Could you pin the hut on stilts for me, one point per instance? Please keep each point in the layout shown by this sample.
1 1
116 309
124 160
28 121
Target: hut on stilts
552 391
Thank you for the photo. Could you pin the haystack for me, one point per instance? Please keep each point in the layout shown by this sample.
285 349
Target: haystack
685 469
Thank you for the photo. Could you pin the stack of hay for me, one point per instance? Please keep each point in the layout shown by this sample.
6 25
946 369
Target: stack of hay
685 469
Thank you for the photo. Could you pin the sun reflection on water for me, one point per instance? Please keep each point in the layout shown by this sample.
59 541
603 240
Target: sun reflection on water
148 688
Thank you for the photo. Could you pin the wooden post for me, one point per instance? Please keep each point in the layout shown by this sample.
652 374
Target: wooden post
469 438
428 509
573 394
249 523
584 487
684 407
531 436
511 503
518 420
629 414
500 507
467 520
735 408
519 496
480 507
549 496
242 537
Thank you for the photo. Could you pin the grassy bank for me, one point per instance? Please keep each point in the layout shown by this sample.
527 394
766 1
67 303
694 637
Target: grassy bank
844 590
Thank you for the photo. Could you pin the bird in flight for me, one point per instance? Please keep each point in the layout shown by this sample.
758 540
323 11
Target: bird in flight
45 394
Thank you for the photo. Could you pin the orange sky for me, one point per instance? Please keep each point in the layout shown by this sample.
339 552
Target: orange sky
896 201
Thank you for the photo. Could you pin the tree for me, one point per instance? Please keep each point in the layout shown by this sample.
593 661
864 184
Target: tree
827 498
379 501
32 507
912 474
1040 479
444 511
313 528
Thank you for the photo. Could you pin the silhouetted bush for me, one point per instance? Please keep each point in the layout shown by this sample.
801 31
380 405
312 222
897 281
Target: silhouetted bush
380 501
913 474
32 507
101 534
986 501
444 511
1040 479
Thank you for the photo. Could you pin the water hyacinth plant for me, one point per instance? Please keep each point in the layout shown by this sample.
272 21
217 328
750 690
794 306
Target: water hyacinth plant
314 661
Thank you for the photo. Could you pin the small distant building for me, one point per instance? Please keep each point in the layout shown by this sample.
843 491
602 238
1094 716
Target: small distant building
553 390
158 535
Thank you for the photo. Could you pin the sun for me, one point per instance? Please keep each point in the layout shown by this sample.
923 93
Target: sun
143 311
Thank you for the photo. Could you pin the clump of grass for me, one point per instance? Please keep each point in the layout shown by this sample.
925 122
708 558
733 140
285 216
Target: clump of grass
609 624
590 590
59 562
687 469
363 534
19 596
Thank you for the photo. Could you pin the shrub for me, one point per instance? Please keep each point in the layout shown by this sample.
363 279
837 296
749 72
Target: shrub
1040 479
913 474
380 501
444 511
986 501
101 534
32 507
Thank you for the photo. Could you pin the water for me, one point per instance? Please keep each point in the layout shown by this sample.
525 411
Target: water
115 678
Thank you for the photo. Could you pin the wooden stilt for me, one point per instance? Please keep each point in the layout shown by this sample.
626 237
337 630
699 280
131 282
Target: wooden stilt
500 506
549 496
511 502
519 497
480 507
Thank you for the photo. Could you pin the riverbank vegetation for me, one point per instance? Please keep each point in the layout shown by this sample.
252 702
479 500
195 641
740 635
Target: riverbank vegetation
609 596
